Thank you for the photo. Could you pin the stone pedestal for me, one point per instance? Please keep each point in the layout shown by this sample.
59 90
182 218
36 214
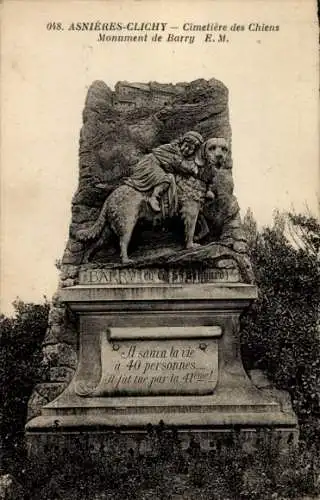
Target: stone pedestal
169 353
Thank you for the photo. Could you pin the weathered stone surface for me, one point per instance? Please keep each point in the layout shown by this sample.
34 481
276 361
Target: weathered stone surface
61 374
74 246
119 128
259 379
60 355
103 445
49 391
83 213
73 253
36 402
61 334
56 316
10 488
68 282
59 351
69 272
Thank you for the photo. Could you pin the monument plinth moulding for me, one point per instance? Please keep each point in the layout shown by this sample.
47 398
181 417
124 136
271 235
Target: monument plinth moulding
145 323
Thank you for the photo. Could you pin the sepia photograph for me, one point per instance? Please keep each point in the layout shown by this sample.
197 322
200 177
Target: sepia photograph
160 238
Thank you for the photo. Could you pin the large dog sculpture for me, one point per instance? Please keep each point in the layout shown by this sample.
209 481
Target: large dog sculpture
125 205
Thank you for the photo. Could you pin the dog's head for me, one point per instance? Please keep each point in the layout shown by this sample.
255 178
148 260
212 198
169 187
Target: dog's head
215 151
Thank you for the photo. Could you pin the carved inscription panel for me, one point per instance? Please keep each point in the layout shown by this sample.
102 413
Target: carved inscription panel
151 367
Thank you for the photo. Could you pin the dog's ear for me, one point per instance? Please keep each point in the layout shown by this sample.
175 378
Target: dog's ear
201 156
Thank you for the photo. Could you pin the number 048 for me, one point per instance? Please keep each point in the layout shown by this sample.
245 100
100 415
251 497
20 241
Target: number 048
53 26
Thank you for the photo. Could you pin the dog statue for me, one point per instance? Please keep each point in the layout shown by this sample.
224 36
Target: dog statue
125 205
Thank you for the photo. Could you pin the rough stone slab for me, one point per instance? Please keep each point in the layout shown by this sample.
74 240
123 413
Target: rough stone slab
56 315
216 291
101 445
215 420
61 374
228 399
243 407
50 390
57 334
36 403
60 354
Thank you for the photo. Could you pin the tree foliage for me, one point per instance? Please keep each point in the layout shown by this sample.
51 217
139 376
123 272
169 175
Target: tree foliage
21 337
281 331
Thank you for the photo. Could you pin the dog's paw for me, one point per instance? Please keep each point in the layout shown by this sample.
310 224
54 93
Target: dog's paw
193 245
126 260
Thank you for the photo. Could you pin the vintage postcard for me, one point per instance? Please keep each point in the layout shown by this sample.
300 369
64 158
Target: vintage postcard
160 187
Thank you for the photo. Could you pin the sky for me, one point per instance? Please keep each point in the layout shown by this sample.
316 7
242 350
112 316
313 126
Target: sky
272 77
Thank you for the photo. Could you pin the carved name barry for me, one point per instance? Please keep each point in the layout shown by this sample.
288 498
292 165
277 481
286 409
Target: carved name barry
105 276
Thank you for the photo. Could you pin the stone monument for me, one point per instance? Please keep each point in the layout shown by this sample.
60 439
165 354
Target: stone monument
145 324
